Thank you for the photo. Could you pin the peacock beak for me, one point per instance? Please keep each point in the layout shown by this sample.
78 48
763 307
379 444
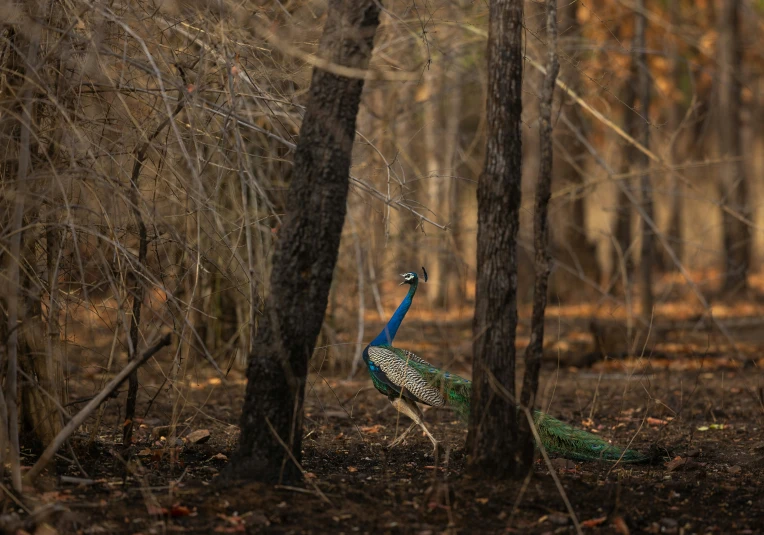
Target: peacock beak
404 280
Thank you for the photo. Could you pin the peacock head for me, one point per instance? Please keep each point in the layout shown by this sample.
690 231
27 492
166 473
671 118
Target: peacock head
409 278
412 278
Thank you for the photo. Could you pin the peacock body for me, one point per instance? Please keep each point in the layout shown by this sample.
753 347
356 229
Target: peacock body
407 379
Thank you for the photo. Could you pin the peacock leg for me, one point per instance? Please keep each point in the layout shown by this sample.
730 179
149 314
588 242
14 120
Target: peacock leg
410 409
402 435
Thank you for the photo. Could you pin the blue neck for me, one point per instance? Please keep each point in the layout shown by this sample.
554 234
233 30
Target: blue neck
388 333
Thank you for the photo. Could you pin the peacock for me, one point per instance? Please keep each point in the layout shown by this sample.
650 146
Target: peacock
407 380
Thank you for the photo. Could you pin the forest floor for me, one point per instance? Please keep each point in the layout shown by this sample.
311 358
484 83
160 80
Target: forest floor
704 409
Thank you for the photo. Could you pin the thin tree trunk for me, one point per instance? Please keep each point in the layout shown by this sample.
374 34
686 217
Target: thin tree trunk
733 184
453 262
436 182
15 311
31 350
305 254
622 263
571 244
535 348
137 286
54 254
138 291
492 437
676 111
639 58
40 393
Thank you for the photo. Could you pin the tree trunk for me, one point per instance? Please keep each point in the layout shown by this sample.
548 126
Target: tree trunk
441 138
733 184
571 245
675 113
436 183
639 58
39 350
305 253
535 348
622 263
26 367
492 437
452 132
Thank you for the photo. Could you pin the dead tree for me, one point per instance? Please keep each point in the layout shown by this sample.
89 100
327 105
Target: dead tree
492 437
305 253
535 348
732 179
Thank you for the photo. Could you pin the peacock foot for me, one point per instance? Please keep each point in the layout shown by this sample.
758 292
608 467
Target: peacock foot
402 436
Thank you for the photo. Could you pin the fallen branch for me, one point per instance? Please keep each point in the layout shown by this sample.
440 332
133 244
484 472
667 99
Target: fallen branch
80 417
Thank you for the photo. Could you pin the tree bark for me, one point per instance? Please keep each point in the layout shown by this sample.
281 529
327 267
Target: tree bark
492 437
535 348
733 184
305 254
647 255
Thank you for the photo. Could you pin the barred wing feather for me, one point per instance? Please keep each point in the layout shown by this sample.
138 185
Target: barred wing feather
401 374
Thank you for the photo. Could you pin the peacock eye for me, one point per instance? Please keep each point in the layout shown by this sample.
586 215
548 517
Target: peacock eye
596 446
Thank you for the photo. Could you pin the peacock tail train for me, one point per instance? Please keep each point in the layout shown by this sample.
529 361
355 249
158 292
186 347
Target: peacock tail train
557 437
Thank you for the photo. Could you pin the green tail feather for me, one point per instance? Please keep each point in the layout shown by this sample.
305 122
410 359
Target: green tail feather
557 437
565 440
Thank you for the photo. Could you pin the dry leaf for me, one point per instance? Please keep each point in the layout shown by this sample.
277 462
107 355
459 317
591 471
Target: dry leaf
620 526
45 529
675 463
156 510
200 436
179 510
594 522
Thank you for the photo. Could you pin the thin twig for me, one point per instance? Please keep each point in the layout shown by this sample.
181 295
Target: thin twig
288 450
